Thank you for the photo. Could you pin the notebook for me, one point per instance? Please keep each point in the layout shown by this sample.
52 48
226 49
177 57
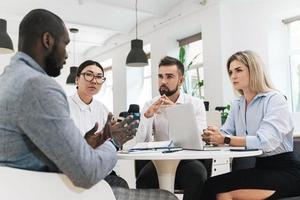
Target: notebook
153 147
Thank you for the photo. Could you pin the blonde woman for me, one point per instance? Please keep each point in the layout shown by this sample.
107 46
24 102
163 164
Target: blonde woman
259 119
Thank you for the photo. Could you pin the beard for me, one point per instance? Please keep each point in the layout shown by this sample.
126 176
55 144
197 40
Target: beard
52 63
164 90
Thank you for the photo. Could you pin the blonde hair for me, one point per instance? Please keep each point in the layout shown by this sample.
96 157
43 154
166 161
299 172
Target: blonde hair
258 80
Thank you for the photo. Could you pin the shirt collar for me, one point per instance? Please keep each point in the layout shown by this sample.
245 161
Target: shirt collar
257 96
20 56
180 99
82 106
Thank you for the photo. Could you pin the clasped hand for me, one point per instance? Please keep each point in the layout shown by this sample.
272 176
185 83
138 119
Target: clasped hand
154 108
212 136
121 132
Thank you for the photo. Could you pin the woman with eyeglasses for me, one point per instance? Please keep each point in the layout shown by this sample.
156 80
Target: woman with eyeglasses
87 111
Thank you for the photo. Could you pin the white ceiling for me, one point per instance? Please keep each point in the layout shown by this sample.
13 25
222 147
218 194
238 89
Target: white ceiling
97 20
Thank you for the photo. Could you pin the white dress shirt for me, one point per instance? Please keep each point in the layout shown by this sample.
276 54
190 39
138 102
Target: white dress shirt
85 116
157 126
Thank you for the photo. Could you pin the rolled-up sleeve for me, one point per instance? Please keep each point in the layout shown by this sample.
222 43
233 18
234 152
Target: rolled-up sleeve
273 127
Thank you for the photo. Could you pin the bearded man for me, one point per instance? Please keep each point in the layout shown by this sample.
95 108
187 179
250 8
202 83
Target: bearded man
190 174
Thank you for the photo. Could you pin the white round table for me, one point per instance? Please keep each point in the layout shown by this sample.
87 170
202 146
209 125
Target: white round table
166 163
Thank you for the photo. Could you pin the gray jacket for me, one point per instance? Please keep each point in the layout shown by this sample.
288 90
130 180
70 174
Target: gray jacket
36 131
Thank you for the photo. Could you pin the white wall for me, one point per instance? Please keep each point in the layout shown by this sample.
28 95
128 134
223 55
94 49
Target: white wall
4 60
163 40
227 26
257 25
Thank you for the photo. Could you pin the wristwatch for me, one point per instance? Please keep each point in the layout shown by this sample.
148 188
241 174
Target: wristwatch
227 139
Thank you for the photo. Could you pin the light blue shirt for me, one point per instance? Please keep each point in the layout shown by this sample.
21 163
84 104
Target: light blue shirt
266 123
36 131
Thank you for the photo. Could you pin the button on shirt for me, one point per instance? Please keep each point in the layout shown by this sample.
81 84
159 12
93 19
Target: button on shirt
86 115
266 123
158 124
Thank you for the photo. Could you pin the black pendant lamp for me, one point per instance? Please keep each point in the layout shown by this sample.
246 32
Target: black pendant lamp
6 45
72 76
73 70
136 57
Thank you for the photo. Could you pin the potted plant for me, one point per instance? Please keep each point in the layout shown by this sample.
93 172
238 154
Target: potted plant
224 112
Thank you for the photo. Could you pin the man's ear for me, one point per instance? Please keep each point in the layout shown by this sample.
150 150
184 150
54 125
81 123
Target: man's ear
47 40
181 80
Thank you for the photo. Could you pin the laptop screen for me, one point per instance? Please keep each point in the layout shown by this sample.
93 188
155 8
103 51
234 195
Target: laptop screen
183 129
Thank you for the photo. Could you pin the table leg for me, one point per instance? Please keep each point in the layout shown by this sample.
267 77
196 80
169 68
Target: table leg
166 170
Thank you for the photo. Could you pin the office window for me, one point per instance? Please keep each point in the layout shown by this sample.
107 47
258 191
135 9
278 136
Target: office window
294 55
194 76
106 93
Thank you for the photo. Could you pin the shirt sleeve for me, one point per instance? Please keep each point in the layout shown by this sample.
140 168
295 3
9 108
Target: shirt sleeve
45 119
274 125
145 128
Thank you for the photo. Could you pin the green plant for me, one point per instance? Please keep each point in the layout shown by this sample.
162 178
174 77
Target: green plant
224 113
199 83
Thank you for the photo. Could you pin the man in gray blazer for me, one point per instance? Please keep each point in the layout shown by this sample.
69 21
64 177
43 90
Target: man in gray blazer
36 130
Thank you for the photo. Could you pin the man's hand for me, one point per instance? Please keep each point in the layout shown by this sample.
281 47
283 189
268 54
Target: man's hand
212 135
166 101
154 108
93 138
120 132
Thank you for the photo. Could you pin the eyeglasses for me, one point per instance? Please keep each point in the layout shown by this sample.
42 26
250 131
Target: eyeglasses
88 76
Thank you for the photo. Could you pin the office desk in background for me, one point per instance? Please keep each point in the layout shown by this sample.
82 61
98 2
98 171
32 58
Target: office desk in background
166 163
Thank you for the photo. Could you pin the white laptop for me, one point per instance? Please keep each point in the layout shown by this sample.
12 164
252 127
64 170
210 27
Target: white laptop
183 129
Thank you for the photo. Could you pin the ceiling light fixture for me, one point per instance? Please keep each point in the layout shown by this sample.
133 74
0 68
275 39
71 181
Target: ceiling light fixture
6 45
73 69
136 57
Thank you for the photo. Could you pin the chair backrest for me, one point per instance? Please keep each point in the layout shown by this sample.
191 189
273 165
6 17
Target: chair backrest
18 184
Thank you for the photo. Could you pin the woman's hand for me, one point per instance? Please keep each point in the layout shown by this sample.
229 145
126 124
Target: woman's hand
213 136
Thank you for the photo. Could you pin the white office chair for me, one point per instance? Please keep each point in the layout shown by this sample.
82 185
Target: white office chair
16 184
